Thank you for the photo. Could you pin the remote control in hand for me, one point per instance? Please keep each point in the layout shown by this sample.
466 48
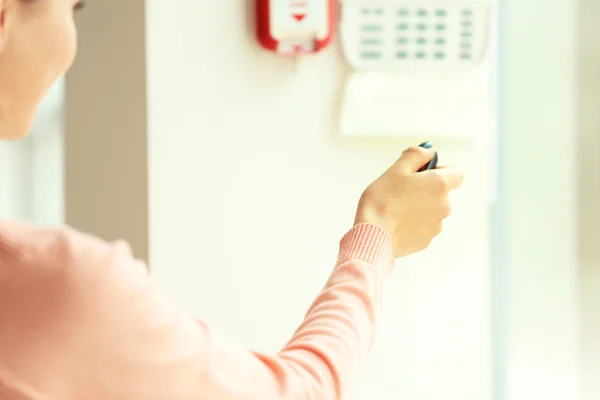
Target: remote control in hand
433 163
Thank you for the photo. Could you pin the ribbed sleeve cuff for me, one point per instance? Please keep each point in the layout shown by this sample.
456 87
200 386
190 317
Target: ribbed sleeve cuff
367 243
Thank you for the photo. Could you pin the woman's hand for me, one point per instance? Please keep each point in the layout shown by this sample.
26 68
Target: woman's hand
409 205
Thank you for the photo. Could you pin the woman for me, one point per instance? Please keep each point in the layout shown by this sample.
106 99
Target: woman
81 319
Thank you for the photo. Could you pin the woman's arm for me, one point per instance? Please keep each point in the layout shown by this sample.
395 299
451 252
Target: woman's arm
83 320
87 320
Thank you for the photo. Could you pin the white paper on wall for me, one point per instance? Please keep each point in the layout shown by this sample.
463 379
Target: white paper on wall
443 105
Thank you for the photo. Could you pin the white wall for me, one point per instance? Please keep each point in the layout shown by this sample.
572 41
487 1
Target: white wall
251 189
541 184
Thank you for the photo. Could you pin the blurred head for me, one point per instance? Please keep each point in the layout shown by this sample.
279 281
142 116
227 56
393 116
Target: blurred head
37 46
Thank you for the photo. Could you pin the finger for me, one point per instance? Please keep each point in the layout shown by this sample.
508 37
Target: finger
414 158
453 177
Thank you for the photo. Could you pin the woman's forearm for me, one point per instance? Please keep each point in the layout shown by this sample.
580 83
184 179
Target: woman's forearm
330 346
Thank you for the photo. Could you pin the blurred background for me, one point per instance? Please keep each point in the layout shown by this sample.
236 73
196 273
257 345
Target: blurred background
234 171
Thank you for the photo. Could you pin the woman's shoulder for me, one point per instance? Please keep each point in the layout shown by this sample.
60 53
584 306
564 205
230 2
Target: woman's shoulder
66 295
63 246
19 239
65 262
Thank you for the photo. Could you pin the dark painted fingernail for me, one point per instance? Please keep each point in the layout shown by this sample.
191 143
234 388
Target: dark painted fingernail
426 145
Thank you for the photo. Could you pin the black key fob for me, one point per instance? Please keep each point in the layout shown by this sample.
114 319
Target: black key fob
434 160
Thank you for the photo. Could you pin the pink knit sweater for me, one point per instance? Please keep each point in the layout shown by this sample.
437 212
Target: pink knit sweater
82 320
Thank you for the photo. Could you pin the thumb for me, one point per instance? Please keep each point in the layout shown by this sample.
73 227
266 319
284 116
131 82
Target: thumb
414 158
